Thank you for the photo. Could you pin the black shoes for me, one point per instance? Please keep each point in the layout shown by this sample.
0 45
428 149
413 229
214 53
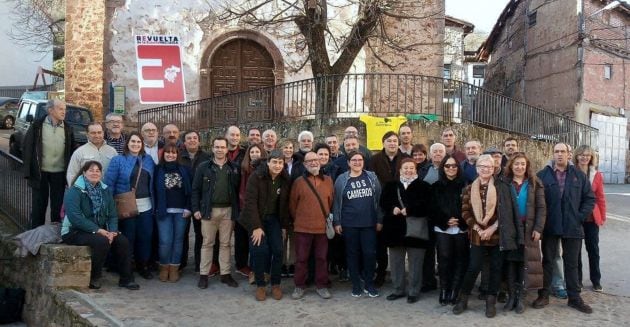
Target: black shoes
412 299
461 305
444 294
95 283
394 296
542 300
597 287
131 285
579 305
227 279
203 282
491 310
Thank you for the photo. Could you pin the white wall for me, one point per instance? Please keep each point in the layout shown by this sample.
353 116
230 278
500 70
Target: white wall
18 65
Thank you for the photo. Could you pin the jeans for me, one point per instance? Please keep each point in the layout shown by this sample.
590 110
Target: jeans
453 254
171 229
100 247
557 277
305 244
571 248
221 221
139 232
591 241
268 252
198 241
360 241
53 184
478 254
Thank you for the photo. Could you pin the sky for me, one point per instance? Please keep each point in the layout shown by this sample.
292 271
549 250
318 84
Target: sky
482 13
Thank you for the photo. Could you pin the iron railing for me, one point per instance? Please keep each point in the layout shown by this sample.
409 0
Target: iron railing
352 95
15 194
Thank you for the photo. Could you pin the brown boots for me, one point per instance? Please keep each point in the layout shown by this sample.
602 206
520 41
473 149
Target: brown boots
261 292
169 273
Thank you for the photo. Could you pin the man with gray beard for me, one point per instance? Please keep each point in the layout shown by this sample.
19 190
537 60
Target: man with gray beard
310 202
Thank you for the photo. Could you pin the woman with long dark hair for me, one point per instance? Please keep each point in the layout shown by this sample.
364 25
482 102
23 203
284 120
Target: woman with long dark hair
172 192
134 169
528 196
450 229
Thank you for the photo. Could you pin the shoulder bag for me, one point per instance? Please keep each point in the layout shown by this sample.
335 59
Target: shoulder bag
330 230
126 202
417 227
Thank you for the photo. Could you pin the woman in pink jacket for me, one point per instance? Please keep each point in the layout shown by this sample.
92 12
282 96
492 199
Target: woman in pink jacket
585 160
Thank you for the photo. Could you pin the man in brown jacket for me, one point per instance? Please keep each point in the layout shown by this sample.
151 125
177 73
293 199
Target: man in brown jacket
309 203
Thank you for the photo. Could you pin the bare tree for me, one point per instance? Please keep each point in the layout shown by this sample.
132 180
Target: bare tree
39 24
368 26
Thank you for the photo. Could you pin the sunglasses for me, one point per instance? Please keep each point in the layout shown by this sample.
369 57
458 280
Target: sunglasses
448 166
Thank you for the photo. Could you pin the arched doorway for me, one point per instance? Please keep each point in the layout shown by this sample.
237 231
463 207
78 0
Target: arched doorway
240 65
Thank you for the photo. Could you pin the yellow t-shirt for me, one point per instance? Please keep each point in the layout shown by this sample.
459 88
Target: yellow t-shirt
377 127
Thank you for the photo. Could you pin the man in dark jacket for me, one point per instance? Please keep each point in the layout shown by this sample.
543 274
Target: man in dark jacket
215 203
569 201
47 149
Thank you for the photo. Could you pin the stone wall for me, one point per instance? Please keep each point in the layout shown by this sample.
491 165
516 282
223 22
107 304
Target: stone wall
56 267
84 83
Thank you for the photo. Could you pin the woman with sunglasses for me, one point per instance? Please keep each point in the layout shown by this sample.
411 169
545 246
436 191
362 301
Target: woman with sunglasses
450 229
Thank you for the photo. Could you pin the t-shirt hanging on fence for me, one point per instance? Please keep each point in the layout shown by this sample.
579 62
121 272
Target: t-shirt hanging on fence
377 127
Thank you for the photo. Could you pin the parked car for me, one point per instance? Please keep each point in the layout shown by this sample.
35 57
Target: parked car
8 110
30 110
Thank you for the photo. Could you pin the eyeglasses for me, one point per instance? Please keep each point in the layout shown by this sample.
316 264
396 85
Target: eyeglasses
311 161
114 122
485 167
150 130
449 166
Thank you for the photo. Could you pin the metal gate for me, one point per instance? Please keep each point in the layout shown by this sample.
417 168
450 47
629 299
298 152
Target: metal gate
612 144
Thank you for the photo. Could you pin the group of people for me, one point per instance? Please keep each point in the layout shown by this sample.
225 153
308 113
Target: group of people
327 208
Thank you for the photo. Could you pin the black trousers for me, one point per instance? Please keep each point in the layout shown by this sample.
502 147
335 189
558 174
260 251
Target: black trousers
571 249
337 252
53 185
241 246
428 265
591 242
479 254
100 248
382 258
452 253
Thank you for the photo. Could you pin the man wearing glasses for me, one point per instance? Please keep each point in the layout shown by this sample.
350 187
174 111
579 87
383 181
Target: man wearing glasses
114 136
150 135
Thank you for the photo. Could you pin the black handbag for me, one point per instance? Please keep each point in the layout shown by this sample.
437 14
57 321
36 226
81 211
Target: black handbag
417 227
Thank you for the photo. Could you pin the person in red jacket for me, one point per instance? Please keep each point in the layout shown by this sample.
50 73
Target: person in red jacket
585 159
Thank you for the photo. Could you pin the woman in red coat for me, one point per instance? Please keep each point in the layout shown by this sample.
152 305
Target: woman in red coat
585 160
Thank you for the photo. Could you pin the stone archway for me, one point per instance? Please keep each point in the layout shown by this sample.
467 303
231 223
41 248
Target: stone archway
240 61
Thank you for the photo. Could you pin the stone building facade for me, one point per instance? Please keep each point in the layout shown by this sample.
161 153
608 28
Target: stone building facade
571 58
218 57
456 31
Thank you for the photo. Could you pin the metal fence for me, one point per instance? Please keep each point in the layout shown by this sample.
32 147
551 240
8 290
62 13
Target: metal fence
352 95
15 194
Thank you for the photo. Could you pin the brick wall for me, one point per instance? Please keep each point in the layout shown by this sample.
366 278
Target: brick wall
85 25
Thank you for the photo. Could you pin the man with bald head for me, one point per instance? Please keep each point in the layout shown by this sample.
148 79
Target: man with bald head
150 134
46 152
235 151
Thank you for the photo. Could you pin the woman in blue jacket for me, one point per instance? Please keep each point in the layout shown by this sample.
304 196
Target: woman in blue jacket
121 176
91 220
357 217
172 194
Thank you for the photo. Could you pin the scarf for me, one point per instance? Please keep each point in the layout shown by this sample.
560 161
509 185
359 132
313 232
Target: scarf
95 195
406 181
491 201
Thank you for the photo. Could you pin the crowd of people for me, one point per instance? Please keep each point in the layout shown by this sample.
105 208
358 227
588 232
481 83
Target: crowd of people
312 210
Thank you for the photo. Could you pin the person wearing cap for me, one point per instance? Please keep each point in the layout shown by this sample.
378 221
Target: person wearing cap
497 156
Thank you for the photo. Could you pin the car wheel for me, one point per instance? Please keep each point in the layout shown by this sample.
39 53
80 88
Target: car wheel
8 122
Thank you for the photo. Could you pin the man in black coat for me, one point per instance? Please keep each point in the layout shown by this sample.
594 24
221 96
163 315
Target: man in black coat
47 149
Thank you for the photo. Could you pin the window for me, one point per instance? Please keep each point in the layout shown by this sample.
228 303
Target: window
531 19
447 71
607 71
479 71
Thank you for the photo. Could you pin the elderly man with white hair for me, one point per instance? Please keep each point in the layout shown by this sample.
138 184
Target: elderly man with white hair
437 151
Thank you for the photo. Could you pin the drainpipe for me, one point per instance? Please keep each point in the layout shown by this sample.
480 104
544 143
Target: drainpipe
580 60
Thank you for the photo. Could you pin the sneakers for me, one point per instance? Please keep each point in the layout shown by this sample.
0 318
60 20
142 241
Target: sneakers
324 293
203 282
291 271
245 271
579 305
214 270
276 292
356 294
597 288
298 293
261 293
371 293
560 293
228 280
